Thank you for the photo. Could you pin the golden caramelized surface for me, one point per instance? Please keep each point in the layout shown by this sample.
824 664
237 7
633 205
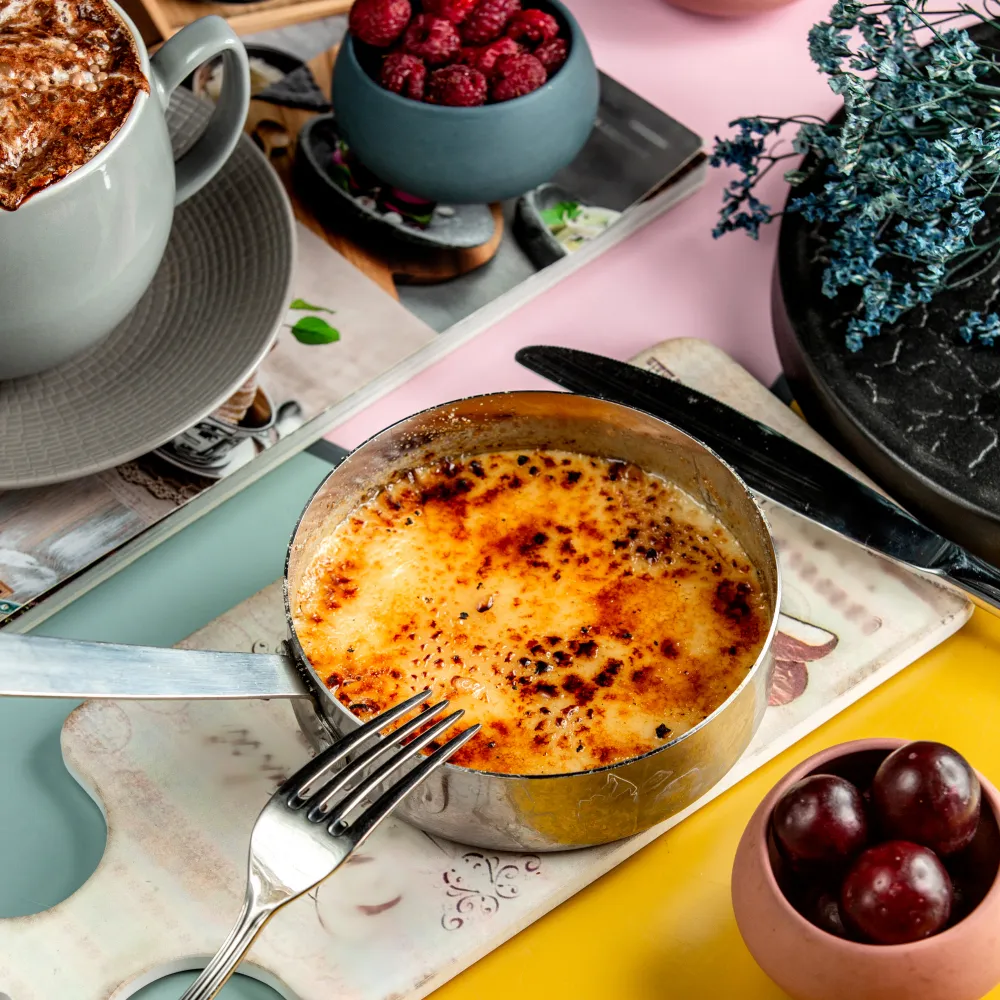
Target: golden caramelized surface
583 611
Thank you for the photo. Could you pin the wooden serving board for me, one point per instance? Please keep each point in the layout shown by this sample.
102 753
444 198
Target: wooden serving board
278 145
167 17
275 129
181 784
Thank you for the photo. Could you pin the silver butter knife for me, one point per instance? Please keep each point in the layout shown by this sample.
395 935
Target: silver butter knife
776 467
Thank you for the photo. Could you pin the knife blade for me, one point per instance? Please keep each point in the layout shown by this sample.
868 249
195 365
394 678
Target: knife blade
775 467
43 667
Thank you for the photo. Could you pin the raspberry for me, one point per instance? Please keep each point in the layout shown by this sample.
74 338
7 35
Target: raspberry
532 27
515 76
488 19
404 74
458 86
552 54
434 39
488 55
455 11
468 55
379 22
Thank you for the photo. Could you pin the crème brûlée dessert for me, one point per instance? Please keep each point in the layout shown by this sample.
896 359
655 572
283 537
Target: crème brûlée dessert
582 610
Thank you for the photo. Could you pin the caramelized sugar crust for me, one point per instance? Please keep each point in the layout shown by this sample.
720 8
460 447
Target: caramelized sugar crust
583 611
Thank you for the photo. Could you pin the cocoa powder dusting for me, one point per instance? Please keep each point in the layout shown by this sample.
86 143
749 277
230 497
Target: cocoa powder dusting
69 76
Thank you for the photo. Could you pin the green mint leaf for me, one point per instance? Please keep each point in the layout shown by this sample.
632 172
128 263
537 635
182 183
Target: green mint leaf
313 330
304 306
559 213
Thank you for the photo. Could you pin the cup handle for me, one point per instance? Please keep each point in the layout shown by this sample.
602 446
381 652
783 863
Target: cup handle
175 60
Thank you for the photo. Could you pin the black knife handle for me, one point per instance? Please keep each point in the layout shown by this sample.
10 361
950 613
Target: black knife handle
977 578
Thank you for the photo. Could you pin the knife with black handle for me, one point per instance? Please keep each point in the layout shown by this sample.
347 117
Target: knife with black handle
776 467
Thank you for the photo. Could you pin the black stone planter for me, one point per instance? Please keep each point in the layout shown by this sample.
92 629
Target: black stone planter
916 408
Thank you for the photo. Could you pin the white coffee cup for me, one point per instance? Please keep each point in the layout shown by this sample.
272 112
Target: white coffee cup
77 256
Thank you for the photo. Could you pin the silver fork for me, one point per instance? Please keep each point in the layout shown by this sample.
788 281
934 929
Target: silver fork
302 835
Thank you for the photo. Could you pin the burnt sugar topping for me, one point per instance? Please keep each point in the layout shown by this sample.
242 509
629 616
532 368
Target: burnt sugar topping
69 76
582 610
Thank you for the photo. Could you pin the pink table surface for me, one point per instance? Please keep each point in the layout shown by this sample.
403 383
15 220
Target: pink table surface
671 279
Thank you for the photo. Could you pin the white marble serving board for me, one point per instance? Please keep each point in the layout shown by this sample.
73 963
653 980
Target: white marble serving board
181 784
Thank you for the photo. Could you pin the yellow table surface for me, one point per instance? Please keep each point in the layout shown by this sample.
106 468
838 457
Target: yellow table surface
661 924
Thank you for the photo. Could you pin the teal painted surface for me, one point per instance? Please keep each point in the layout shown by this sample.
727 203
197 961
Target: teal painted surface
171 987
53 840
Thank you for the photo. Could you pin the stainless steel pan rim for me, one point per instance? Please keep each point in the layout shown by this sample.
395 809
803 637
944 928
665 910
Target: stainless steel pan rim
342 719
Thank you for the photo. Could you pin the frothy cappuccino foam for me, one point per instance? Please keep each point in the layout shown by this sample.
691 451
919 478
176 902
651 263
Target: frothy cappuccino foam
69 76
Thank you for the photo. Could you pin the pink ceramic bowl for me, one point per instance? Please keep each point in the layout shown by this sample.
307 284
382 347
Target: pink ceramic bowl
729 8
960 963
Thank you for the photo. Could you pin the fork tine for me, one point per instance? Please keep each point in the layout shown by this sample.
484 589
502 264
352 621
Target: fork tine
359 831
376 778
299 782
335 783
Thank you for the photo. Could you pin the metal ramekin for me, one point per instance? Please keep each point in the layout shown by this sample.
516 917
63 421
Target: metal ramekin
560 811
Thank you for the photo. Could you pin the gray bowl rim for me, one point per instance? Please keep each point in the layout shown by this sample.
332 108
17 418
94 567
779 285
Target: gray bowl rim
528 202
762 657
481 110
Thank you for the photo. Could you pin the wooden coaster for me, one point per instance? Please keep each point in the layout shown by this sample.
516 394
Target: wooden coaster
275 129
167 17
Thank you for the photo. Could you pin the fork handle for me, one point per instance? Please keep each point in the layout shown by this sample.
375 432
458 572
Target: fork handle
216 974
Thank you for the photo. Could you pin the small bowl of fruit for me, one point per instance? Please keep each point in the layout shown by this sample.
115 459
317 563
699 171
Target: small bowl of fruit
870 873
465 101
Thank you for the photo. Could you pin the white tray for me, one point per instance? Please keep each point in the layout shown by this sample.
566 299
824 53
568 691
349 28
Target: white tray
181 784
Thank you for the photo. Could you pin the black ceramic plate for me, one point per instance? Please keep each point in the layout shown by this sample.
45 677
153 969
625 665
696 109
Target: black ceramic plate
916 408
284 62
296 89
453 227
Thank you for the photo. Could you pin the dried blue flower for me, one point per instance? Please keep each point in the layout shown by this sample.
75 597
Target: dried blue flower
984 329
905 171
854 250
828 47
742 210
844 13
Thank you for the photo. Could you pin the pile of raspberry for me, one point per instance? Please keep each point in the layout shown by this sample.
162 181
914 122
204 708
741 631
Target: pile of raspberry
460 52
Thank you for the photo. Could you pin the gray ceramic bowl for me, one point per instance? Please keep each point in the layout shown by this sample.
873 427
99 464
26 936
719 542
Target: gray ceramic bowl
468 155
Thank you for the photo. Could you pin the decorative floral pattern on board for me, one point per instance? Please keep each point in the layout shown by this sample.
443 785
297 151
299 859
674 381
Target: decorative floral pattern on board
480 883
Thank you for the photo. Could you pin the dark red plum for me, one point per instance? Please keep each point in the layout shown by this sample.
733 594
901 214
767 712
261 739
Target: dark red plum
821 820
895 893
927 793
